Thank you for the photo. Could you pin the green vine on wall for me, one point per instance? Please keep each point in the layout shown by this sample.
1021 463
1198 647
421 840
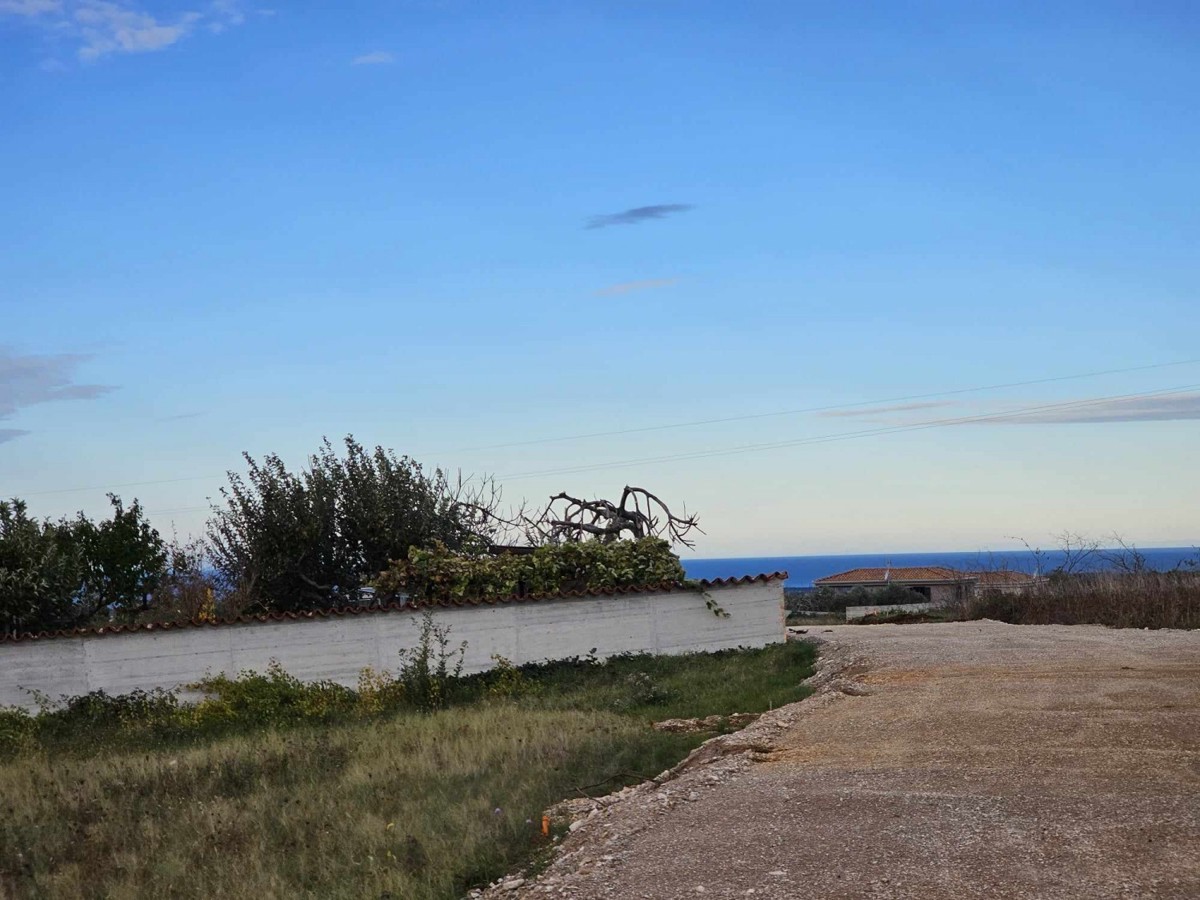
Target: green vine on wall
437 574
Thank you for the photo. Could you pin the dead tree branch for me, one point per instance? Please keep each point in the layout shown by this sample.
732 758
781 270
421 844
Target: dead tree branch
638 514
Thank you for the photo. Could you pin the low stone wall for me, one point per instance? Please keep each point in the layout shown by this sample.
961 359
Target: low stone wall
859 612
338 647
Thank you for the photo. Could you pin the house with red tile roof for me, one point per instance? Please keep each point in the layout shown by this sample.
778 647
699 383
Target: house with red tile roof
937 584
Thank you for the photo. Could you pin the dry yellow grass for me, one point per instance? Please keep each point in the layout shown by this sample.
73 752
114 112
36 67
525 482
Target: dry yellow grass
410 807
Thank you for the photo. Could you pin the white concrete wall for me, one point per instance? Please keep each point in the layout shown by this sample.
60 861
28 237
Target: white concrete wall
948 593
859 612
339 647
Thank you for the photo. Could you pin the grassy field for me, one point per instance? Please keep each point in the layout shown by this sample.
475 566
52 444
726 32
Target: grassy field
399 804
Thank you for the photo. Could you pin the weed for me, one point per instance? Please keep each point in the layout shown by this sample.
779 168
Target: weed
641 690
505 680
428 671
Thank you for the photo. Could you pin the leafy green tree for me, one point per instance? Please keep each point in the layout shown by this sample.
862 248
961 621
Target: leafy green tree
302 540
41 569
66 573
124 558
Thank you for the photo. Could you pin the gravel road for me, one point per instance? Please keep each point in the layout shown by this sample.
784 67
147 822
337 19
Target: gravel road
938 762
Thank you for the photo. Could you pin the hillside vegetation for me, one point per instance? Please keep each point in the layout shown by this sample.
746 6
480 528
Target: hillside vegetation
1143 599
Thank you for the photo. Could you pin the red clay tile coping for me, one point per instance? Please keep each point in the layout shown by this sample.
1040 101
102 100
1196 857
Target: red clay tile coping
152 627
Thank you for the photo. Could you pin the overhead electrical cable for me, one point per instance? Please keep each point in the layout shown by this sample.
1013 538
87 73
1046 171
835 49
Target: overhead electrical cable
849 435
675 425
822 439
815 409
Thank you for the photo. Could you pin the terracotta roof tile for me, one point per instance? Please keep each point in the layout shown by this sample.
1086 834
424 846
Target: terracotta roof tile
153 627
884 575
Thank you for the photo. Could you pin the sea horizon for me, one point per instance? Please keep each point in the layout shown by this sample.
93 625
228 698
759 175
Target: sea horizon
804 569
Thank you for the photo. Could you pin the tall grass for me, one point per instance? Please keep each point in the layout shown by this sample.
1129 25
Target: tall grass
1144 599
360 801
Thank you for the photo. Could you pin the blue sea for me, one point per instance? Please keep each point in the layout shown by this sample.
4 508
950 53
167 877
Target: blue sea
803 569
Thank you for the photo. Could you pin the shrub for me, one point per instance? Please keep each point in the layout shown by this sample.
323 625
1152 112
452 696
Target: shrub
17 732
1142 599
271 698
378 691
439 574
428 670
506 680
309 539
640 689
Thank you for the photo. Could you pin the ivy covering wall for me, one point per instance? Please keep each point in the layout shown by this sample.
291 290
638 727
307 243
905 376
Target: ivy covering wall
439 574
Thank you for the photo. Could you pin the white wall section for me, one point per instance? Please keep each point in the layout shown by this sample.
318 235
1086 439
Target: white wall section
338 647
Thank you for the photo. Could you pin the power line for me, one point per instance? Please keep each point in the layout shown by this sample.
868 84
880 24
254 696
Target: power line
815 409
175 509
113 487
828 438
848 435
675 425
820 439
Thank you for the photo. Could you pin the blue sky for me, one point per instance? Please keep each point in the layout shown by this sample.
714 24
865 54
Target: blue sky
235 228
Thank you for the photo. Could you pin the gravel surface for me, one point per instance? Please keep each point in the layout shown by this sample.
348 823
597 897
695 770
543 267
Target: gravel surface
950 761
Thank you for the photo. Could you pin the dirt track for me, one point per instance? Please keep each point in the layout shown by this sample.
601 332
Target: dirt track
938 761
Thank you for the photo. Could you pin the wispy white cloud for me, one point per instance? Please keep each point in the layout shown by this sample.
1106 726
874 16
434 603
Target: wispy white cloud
645 284
374 58
1165 408
30 8
29 379
225 14
883 410
110 28
100 28
11 434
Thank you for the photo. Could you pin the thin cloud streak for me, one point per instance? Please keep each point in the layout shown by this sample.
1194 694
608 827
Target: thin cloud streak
29 7
375 58
637 215
1175 408
9 434
626 287
27 380
879 410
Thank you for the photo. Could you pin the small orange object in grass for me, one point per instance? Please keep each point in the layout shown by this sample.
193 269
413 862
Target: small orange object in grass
545 825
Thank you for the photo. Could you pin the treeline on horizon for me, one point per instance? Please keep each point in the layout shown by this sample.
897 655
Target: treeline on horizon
282 541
